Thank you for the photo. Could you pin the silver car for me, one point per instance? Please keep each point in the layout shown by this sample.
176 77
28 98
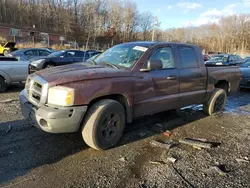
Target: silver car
29 53
12 70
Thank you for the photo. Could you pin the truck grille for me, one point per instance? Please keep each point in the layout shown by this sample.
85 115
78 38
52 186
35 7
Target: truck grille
36 89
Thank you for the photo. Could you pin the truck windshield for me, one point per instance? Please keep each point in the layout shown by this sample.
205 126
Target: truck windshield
121 56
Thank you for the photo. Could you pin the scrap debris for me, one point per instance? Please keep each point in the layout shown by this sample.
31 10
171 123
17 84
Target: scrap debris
154 143
172 159
243 160
6 101
167 133
197 143
122 159
156 162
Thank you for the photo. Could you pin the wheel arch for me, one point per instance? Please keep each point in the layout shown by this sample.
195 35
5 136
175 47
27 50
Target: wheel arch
5 76
223 84
123 100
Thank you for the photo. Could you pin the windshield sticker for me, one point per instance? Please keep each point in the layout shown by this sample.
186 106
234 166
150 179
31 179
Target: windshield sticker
140 48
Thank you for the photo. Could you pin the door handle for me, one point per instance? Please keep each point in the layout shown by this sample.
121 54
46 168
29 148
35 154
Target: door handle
171 78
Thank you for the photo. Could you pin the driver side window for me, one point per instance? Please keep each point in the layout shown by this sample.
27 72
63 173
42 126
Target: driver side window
165 56
70 54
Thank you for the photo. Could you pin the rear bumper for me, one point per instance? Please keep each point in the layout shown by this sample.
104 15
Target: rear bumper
53 120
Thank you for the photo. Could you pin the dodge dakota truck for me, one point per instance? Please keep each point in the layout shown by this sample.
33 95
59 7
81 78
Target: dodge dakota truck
128 80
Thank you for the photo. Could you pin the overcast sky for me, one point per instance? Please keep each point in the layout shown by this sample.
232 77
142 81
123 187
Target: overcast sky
177 13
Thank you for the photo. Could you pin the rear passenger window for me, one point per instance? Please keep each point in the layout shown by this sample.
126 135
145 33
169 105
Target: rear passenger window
188 57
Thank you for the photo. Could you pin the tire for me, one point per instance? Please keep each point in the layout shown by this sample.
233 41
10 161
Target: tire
104 124
3 84
48 66
216 103
5 52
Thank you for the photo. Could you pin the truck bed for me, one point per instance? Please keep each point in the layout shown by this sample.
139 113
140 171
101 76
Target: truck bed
230 74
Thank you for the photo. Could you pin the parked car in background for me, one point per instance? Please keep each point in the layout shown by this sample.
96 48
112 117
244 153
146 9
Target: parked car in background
225 59
93 57
247 58
12 70
29 53
245 73
51 49
7 47
59 58
206 57
93 52
125 82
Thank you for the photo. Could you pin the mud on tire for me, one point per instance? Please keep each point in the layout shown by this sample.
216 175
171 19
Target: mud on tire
216 103
104 124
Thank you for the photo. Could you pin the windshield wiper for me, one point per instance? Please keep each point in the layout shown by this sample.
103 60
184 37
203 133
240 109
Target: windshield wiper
110 65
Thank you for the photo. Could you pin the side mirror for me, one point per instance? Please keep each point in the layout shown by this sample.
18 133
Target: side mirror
152 65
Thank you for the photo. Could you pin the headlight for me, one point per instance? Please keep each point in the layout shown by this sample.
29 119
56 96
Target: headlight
37 61
61 96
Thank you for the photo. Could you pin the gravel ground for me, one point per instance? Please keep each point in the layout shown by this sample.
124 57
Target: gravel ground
32 158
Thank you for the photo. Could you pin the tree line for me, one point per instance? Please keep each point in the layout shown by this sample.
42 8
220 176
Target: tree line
80 20
119 21
230 35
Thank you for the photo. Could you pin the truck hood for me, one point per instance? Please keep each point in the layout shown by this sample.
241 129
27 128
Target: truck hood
79 72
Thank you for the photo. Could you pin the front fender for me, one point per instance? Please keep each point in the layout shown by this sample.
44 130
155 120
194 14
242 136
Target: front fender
5 76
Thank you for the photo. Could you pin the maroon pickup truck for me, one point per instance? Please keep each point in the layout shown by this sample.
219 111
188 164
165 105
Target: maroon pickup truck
127 81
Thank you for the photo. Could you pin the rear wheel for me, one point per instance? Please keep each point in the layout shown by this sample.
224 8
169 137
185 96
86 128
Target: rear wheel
104 124
49 66
216 103
3 84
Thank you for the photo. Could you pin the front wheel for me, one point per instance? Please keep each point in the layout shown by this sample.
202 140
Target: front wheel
5 52
104 124
216 103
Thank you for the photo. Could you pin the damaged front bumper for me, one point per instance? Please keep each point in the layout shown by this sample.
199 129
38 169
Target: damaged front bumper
51 119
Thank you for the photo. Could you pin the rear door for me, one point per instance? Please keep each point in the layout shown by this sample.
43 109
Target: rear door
192 76
44 52
81 56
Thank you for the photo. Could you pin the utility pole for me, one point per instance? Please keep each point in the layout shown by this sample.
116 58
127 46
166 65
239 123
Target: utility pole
154 24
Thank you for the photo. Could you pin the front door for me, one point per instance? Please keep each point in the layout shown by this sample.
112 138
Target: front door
163 85
68 58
